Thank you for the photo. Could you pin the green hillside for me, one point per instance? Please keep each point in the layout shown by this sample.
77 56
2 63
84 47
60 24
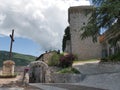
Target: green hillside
20 59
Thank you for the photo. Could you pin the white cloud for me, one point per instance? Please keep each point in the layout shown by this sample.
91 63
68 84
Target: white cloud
2 18
43 21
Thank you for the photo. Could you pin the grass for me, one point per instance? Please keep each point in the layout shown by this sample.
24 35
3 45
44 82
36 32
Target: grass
83 61
69 70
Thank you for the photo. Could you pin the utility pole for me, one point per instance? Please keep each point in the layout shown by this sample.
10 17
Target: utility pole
12 40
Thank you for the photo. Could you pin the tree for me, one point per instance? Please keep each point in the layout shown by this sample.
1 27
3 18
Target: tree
66 37
105 14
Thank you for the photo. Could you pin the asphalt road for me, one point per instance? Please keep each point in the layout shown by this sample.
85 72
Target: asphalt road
63 87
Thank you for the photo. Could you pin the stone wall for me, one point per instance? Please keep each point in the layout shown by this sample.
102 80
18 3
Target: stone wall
67 49
86 70
46 56
84 49
66 78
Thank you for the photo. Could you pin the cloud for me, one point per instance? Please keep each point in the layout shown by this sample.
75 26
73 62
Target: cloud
42 21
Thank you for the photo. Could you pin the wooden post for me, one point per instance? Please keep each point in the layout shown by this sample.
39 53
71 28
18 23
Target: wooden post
12 40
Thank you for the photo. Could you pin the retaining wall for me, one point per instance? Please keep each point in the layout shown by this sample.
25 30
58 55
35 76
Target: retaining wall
66 78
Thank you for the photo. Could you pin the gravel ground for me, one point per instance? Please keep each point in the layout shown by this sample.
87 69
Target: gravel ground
13 83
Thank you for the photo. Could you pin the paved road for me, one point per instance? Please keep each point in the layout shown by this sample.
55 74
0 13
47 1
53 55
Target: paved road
62 87
11 89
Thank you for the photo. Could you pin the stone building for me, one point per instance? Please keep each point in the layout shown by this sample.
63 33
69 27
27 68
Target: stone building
84 49
108 49
45 57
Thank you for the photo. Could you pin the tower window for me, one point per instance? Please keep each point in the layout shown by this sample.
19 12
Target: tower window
84 23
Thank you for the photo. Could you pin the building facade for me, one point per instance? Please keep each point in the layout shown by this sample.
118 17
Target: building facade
107 48
84 49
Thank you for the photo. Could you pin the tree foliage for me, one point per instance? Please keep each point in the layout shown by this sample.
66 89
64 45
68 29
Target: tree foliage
66 37
105 14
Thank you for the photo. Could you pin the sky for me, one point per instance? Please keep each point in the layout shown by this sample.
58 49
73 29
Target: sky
39 24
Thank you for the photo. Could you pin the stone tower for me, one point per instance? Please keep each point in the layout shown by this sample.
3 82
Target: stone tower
84 49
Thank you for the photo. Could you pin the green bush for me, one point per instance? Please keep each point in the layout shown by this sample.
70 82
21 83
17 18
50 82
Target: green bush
61 60
112 58
54 60
69 70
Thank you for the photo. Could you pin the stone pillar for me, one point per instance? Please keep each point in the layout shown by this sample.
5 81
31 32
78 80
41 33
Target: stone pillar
8 67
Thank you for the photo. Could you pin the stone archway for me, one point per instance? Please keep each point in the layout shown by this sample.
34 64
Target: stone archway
38 72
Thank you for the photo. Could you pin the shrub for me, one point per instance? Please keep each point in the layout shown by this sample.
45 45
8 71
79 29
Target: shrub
54 60
112 58
69 70
67 60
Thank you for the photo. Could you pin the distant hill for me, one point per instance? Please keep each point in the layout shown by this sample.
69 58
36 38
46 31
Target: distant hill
20 59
